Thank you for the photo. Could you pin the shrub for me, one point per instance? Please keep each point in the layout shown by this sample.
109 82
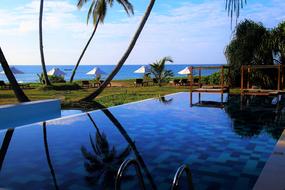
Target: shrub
61 86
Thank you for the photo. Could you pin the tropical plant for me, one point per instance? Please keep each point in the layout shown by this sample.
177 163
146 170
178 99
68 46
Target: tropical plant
47 82
159 71
278 42
19 93
103 162
125 55
248 46
234 6
98 10
52 79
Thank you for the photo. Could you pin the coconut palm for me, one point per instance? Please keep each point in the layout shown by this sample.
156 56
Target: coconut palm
103 162
19 93
278 41
5 145
233 7
48 156
98 10
159 71
248 47
46 79
125 55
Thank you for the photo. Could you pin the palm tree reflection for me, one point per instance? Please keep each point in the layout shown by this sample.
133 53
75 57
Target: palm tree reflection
251 115
165 101
103 162
126 136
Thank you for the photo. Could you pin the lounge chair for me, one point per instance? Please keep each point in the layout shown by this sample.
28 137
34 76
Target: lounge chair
176 82
138 82
101 82
154 81
184 82
3 85
85 84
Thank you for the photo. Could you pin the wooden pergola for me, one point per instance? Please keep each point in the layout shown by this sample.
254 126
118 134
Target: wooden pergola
206 88
246 84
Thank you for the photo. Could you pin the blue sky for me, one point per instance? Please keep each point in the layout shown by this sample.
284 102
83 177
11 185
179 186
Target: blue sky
191 31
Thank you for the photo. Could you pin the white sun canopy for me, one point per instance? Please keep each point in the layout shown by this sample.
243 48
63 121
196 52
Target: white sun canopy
185 71
143 70
96 71
56 72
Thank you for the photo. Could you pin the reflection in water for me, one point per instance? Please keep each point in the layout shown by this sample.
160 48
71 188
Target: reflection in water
5 145
124 133
253 114
48 156
103 162
163 100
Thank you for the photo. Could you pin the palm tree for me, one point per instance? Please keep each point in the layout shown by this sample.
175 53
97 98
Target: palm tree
46 79
231 5
234 6
5 145
48 156
98 9
20 95
125 55
278 40
103 162
159 71
126 136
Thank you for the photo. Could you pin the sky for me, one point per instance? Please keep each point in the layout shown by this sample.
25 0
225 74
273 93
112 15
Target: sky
190 31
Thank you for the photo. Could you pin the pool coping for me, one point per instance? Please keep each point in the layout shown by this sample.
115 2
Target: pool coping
84 113
272 175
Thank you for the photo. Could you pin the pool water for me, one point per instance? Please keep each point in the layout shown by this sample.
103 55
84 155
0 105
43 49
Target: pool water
225 148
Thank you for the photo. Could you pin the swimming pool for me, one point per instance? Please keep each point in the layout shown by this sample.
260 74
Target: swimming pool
225 148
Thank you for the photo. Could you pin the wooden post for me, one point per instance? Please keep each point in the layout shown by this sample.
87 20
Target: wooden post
282 77
222 79
279 77
191 90
200 77
191 79
248 76
241 80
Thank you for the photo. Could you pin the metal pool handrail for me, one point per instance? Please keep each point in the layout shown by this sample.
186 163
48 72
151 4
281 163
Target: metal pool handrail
122 169
180 171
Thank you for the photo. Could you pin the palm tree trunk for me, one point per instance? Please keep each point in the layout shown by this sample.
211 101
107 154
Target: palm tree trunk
5 145
47 82
124 57
84 50
48 156
20 95
125 134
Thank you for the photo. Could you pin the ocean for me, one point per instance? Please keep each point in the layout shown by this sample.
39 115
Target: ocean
127 71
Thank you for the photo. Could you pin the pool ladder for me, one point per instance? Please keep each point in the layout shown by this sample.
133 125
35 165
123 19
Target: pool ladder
175 184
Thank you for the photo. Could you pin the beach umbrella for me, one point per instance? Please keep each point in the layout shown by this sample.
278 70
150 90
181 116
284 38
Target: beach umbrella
56 72
185 71
96 71
143 70
14 71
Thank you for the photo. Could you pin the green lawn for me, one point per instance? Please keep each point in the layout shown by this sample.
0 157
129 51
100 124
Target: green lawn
110 97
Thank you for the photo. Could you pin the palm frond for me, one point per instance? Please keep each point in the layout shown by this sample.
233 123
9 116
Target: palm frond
234 7
127 6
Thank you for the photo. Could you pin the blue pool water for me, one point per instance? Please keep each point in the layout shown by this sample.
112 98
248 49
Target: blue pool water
225 148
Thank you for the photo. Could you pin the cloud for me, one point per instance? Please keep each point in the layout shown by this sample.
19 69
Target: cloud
192 33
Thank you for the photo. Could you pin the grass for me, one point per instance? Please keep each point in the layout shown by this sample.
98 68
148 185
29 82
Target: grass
123 92
111 96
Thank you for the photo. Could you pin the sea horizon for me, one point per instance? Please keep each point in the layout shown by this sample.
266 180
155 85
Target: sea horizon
127 71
